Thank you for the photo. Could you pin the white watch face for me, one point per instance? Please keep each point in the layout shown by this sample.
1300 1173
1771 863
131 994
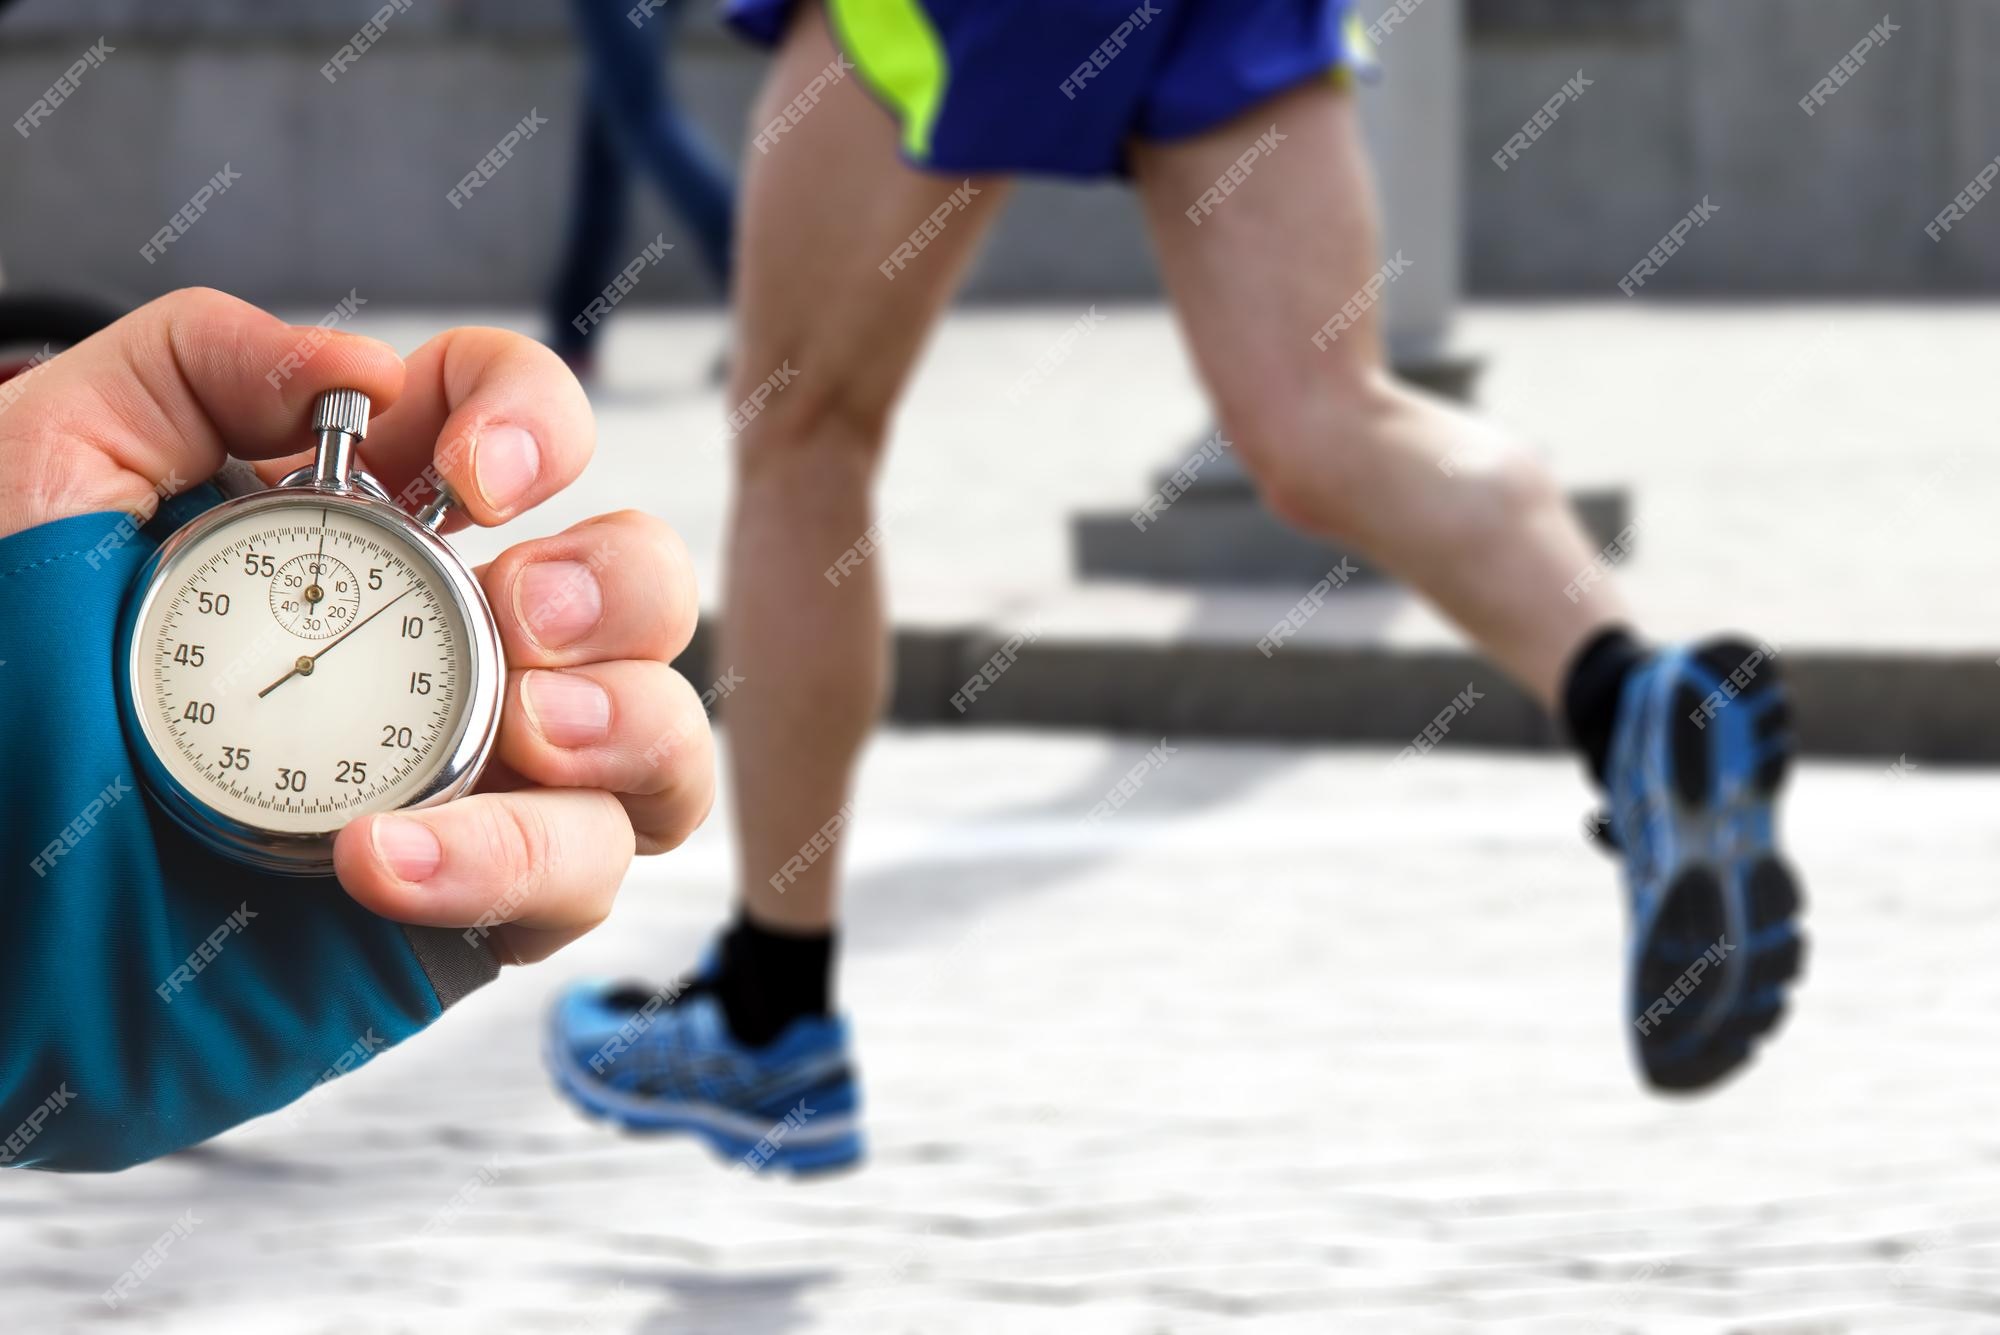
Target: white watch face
301 665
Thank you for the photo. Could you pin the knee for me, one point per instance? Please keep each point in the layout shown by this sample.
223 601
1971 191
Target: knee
812 411
1313 454
1348 456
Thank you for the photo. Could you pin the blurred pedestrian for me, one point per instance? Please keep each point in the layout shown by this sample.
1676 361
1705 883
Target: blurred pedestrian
631 123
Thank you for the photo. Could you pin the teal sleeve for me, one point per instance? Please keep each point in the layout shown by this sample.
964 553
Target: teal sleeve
111 1057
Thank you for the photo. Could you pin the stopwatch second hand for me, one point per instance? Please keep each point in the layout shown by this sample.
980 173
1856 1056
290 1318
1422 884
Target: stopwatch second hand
305 664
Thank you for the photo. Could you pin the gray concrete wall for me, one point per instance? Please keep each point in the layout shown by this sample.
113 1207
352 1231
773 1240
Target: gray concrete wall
343 186
1707 105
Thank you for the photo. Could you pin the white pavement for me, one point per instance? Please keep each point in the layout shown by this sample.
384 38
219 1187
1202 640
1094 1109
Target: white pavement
1297 1041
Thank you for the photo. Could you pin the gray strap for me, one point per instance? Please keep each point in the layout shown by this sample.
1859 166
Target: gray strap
456 967
236 478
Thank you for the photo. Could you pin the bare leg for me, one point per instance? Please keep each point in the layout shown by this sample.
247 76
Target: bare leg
822 210
1445 502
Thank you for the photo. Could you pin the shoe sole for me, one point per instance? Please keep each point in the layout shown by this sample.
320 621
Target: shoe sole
1752 894
800 1154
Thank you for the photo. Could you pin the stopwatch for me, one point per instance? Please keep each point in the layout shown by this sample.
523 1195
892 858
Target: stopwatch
305 654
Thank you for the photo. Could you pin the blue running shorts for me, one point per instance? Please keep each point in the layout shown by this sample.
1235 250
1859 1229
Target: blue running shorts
1058 87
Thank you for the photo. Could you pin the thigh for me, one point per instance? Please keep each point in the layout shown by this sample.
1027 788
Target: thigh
847 254
1260 258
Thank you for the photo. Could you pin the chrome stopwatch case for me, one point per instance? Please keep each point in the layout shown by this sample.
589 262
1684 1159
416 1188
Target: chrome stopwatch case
310 653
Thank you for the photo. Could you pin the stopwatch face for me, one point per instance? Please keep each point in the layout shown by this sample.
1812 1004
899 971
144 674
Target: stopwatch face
300 665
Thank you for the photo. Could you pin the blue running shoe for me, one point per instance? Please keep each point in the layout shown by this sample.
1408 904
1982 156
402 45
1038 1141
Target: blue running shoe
665 1061
1702 746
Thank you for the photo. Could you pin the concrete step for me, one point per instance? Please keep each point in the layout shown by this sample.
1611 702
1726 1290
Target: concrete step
1358 676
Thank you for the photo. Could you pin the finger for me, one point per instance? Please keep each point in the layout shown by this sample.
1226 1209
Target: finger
618 586
634 728
548 862
493 413
153 403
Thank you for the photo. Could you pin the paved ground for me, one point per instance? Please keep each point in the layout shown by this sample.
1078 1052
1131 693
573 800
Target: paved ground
1298 1041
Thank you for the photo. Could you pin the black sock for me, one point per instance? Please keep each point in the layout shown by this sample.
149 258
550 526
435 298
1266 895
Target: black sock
769 978
1591 690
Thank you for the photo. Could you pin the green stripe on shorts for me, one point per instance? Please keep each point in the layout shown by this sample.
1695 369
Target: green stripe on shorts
897 49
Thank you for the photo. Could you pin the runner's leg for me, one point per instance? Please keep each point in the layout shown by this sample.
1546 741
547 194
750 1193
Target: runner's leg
822 209
1444 501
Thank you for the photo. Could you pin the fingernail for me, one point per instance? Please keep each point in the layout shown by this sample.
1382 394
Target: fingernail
568 710
558 601
505 460
408 846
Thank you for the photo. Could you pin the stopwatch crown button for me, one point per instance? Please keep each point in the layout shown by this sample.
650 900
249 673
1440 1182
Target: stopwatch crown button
342 410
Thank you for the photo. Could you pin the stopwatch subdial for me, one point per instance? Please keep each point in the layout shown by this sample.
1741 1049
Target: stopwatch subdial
315 596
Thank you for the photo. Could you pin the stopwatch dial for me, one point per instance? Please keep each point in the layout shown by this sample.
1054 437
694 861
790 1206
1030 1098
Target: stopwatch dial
302 665
315 595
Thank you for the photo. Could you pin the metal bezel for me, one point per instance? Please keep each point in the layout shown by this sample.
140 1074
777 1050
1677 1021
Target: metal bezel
471 745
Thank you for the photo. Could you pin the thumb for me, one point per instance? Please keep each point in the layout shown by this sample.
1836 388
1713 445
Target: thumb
154 403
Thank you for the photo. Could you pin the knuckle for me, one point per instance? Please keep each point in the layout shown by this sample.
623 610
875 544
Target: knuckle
519 840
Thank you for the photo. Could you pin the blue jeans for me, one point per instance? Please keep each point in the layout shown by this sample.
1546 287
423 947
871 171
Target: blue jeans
632 123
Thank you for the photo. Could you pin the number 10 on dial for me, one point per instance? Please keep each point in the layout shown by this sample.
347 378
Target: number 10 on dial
304 655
